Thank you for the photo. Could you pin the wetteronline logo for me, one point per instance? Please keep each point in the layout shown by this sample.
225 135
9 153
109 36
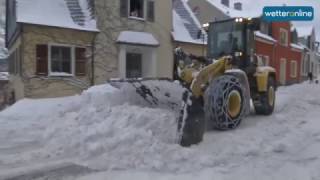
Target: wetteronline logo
288 13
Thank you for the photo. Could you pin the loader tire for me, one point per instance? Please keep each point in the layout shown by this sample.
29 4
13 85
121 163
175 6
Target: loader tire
224 103
264 105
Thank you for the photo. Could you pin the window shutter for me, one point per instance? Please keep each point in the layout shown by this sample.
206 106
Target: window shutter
42 60
80 61
150 10
124 8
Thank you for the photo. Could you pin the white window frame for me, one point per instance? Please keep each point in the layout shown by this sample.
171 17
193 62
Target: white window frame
263 60
282 30
293 65
72 48
149 70
144 12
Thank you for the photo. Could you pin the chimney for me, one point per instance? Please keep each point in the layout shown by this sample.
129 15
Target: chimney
225 2
238 6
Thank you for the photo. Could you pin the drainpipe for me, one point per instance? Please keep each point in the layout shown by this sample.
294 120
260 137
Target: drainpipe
93 47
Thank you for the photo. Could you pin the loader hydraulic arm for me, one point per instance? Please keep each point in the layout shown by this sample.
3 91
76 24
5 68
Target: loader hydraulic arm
205 75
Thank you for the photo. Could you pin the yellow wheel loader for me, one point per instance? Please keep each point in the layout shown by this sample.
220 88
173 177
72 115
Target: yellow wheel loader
218 88
221 90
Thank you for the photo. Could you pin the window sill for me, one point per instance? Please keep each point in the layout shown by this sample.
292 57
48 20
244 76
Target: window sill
137 18
60 75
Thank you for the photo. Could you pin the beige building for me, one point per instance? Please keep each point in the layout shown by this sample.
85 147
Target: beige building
49 54
59 54
135 39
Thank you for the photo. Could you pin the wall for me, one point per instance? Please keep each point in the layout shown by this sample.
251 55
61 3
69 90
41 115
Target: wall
266 48
33 86
285 52
111 24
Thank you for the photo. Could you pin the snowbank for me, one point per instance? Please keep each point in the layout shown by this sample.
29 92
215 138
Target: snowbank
110 128
104 128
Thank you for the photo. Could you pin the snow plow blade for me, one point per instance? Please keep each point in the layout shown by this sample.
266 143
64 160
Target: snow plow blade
172 95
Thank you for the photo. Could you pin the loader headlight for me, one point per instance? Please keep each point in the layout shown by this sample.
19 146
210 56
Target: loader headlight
239 20
238 54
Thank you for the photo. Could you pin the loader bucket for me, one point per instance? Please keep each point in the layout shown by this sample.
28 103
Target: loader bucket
172 95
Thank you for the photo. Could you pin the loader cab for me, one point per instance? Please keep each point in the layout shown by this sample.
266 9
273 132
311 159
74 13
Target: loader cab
234 37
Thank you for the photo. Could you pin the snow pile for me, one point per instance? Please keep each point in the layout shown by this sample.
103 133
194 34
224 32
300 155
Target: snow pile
98 129
111 128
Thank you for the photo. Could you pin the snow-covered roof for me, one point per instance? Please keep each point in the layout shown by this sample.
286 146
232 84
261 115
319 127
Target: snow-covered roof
231 12
142 38
296 46
264 36
56 13
4 76
303 46
304 31
185 25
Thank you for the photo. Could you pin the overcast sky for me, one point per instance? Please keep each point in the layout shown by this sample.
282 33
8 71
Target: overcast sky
257 5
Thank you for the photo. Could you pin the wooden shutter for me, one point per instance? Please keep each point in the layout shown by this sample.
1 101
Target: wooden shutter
124 8
42 60
150 10
81 61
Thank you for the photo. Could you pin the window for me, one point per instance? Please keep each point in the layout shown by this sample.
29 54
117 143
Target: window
293 69
283 37
61 59
134 65
15 62
263 60
136 8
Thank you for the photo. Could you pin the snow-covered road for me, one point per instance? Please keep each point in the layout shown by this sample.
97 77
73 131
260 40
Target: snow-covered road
110 139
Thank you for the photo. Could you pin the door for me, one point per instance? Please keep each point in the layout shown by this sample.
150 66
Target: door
283 71
134 65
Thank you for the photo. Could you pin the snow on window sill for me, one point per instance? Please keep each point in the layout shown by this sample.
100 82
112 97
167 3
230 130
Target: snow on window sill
137 18
59 74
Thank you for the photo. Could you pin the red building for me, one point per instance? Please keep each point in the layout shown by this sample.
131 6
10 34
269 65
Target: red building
276 46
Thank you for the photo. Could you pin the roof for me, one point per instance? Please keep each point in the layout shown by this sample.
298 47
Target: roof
304 31
303 46
231 12
185 25
140 38
73 14
264 36
296 46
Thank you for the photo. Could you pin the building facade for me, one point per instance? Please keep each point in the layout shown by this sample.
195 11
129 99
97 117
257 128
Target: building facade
307 38
48 57
134 39
87 43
